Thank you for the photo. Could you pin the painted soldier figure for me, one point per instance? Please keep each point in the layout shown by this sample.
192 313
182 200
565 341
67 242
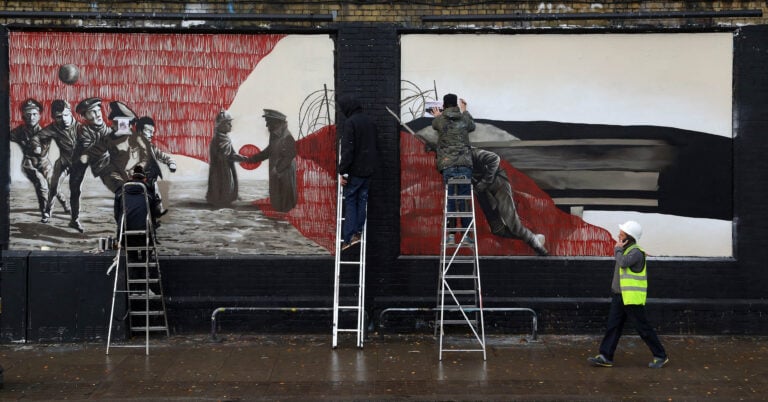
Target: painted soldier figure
281 152
222 176
145 128
494 194
63 131
126 148
91 150
35 164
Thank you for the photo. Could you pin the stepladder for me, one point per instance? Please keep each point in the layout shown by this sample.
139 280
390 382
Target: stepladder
459 298
349 277
138 304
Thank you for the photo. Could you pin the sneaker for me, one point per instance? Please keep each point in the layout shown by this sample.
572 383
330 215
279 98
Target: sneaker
600 361
45 219
658 362
354 240
467 241
449 239
345 245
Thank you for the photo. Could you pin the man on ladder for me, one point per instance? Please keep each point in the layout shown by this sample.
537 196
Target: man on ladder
136 212
454 156
358 160
459 273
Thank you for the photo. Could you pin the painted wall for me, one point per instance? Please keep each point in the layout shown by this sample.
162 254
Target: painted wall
183 82
609 127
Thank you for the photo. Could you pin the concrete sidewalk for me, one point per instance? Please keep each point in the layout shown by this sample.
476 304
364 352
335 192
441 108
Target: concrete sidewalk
390 367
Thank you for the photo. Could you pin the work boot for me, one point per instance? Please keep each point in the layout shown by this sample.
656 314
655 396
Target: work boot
75 224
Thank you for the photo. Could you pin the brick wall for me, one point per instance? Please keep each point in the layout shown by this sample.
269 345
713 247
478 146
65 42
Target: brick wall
405 14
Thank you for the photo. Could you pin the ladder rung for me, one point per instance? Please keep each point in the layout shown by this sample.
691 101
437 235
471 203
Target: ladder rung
456 180
459 276
459 322
455 308
135 232
142 264
461 259
151 328
347 330
141 281
459 292
349 262
459 197
151 312
459 214
349 307
143 296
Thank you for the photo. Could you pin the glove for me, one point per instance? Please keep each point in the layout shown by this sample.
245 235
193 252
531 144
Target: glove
482 186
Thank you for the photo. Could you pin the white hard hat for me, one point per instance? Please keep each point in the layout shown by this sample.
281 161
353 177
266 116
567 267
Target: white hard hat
632 228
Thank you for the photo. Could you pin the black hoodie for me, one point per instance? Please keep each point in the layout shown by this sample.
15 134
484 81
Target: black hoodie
359 156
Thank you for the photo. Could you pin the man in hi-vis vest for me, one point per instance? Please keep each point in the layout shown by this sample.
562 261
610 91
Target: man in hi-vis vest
629 288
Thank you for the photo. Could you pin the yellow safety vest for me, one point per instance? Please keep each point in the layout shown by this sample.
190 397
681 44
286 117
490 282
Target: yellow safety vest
634 285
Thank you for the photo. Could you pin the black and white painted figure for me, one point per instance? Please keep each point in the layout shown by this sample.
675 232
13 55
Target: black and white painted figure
281 152
222 176
35 164
63 131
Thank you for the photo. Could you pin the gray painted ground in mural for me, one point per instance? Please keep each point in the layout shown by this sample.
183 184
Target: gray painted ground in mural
192 227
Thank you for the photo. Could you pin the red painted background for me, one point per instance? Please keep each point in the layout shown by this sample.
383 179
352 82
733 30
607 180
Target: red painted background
181 80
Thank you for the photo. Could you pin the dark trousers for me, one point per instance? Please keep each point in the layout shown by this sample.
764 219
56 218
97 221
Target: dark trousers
355 206
616 319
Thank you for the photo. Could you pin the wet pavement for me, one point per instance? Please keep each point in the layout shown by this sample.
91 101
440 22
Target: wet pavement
389 367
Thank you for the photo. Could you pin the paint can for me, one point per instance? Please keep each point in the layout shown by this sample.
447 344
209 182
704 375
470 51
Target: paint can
102 243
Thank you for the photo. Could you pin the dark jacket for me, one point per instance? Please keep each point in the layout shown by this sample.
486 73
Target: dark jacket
135 206
359 156
453 128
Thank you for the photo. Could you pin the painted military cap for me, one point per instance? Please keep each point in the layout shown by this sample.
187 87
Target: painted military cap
58 106
119 109
87 104
273 114
223 116
31 104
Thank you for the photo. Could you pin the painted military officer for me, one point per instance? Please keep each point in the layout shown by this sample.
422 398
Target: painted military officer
281 152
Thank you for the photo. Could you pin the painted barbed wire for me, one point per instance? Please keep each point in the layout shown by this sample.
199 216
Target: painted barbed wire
316 111
413 99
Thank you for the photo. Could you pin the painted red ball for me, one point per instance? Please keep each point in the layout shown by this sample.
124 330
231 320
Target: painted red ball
249 150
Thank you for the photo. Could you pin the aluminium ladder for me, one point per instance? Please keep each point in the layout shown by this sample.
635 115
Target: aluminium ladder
459 278
349 280
145 304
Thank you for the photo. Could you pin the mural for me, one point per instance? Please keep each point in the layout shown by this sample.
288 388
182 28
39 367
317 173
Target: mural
590 131
232 132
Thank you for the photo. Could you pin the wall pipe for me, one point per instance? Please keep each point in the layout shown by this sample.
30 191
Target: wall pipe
165 16
534 322
591 16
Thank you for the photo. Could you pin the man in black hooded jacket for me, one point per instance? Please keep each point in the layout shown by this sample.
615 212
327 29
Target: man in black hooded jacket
358 160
